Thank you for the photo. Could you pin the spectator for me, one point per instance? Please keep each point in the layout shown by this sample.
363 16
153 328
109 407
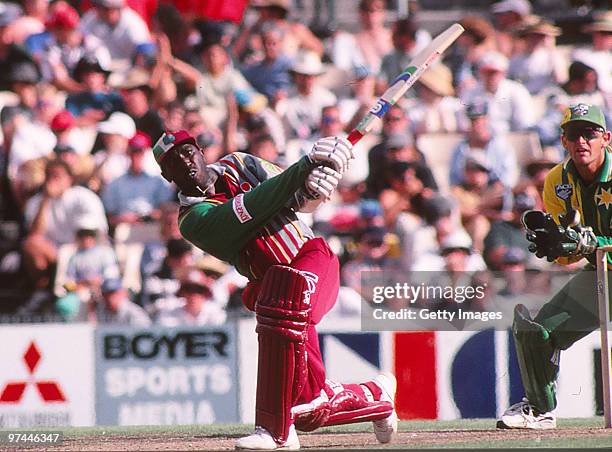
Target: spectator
371 255
354 106
302 110
93 261
10 53
52 217
374 40
463 57
400 147
118 26
117 308
599 54
162 284
10 209
63 125
508 102
404 49
32 21
395 121
297 37
197 307
136 196
154 252
455 255
23 78
219 80
509 233
270 76
509 16
437 110
480 139
537 168
538 65
59 50
82 166
137 94
97 101
112 160
480 198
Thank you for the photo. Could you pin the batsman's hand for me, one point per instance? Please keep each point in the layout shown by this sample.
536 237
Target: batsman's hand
321 182
332 151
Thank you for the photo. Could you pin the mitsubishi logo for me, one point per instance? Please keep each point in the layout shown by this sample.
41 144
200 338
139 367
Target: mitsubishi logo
49 391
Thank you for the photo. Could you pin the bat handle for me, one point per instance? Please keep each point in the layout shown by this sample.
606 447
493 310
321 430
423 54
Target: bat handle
354 136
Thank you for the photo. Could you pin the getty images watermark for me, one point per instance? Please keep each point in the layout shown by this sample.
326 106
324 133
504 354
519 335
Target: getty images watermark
444 301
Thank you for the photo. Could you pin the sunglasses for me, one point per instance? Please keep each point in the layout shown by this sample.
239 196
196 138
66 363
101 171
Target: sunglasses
588 133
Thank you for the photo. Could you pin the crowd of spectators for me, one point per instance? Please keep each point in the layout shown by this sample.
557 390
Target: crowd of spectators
88 228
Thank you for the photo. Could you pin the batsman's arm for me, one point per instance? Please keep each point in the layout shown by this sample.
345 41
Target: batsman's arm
405 80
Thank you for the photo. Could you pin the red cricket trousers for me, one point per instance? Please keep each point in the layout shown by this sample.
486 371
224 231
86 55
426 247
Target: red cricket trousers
316 258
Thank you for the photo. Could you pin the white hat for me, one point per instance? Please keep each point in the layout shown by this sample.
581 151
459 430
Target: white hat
308 63
521 7
493 60
87 222
118 124
458 239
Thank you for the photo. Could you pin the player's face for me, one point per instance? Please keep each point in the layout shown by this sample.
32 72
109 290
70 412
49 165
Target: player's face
186 166
585 143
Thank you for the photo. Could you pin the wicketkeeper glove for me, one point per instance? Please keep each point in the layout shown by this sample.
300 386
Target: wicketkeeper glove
332 151
551 240
321 182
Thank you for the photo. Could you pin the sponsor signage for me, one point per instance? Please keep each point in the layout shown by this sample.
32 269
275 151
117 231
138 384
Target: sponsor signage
163 376
46 377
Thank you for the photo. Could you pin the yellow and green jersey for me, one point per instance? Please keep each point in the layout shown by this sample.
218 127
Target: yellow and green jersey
565 190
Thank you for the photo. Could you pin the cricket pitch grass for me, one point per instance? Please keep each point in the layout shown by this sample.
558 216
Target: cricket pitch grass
462 434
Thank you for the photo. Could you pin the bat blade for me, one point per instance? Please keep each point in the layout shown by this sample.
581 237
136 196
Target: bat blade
398 87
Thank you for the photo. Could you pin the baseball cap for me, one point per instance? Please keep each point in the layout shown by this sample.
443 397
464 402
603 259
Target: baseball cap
111 285
523 201
521 7
63 120
493 60
24 72
139 141
9 12
168 140
87 223
63 16
110 3
584 112
118 123
437 207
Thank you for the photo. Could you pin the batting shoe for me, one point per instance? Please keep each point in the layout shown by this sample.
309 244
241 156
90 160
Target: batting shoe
261 439
386 428
525 415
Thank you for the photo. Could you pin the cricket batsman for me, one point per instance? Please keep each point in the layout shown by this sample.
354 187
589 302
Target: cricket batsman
578 188
242 210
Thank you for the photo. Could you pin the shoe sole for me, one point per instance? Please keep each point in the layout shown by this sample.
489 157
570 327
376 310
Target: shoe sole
388 436
501 425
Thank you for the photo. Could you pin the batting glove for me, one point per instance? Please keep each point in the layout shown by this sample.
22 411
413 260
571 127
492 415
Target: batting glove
322 181
332 151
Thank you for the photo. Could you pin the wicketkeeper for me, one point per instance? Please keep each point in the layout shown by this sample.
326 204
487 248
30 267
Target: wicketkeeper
578 188
242 210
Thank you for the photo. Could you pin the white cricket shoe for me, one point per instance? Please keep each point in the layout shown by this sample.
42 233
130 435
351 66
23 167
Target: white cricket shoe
261 439
386 428
525 415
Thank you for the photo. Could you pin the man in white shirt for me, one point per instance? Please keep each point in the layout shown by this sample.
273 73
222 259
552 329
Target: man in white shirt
52 217
117 26
509 103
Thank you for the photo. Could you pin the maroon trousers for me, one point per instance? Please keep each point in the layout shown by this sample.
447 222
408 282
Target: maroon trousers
321 267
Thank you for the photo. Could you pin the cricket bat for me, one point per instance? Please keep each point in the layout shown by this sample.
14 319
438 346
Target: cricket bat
405 80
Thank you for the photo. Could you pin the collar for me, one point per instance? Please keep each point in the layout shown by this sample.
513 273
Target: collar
604 174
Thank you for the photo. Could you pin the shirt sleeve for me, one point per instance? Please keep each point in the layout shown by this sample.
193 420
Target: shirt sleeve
223 230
